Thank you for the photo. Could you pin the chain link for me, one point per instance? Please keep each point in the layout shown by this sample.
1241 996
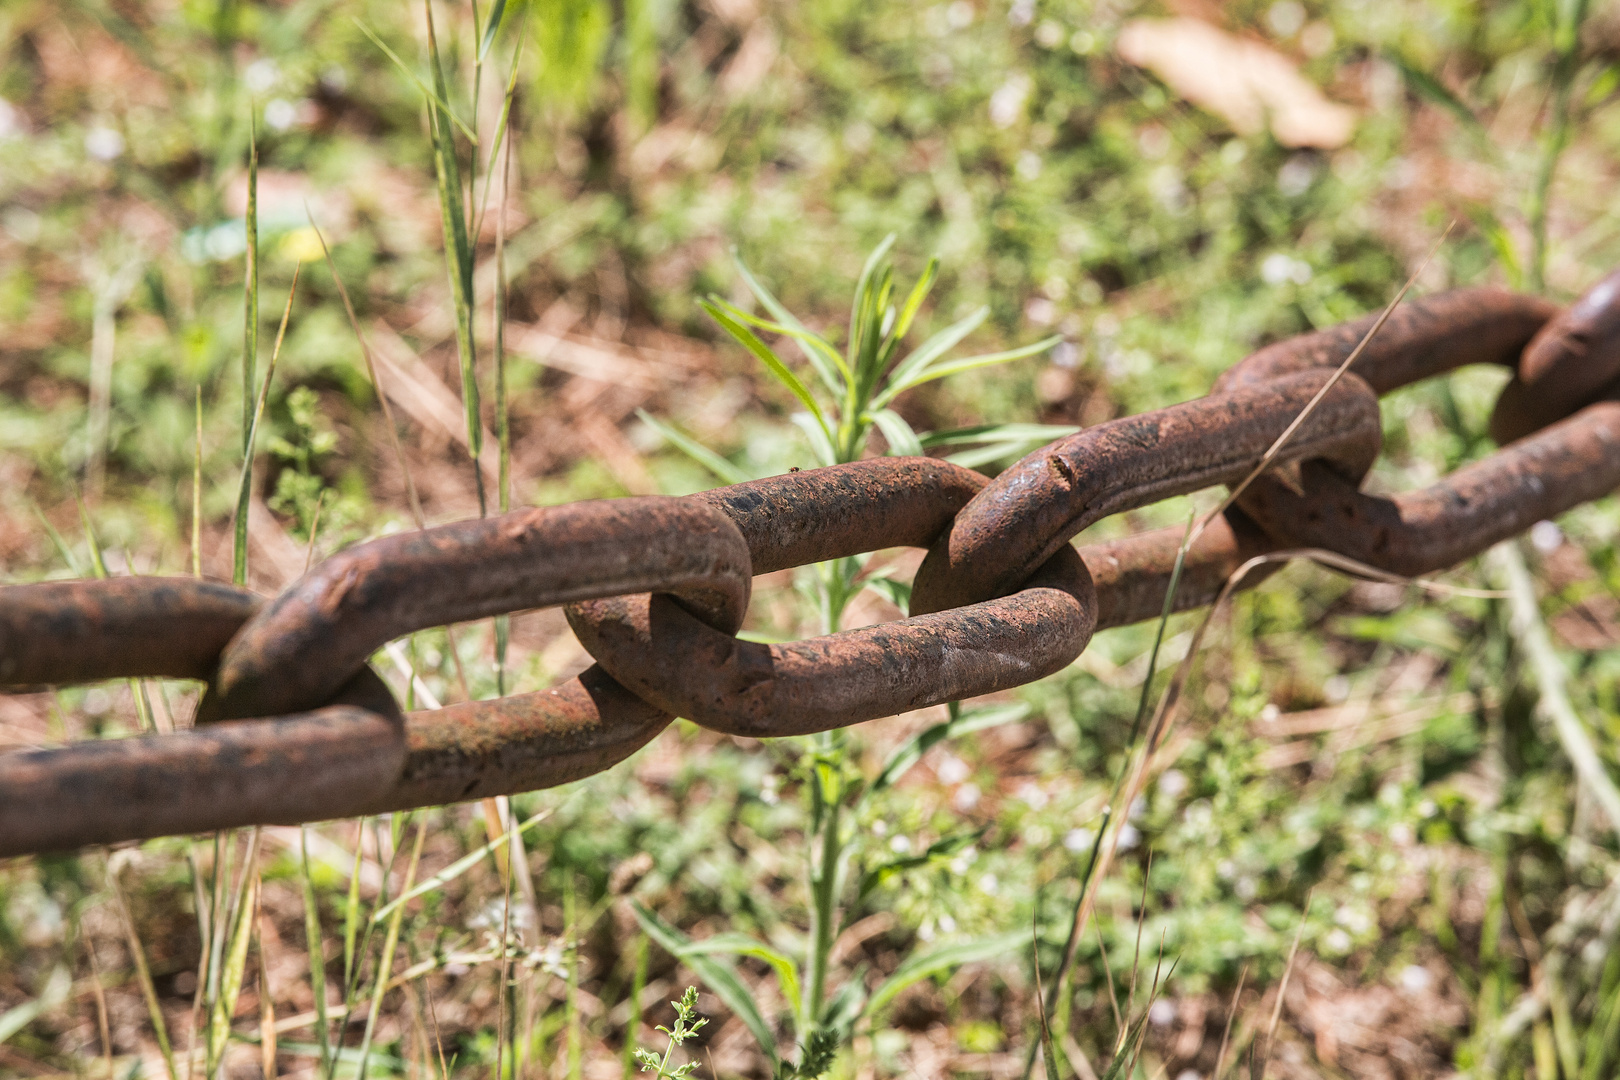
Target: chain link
294 726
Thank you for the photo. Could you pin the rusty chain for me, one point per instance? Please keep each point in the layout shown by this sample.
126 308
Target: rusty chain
294 726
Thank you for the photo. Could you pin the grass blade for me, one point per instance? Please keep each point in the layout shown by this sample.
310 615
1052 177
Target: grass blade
457 253
250 288
196 496
314 942
471 135
834 372
903 441
143 974
720 978
931 350
956 367
725 470
719 311
735 944
385 962
459 867
919 967
244 491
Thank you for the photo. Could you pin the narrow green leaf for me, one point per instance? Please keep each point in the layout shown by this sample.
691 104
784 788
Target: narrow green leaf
943 848
725 470
351 913
720 978
895 592
956 367
998 433
835 374
931 350
762 352
902 440
497 12
219 1021
787 973
60 544
314 942
912 750
921 966
472 136
820 442
844 1007
457 254
863 294
813 345
250 287
919 293
1427 86
457 868
55 992
1495 233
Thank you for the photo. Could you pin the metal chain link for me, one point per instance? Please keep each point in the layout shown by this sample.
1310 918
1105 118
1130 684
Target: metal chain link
294 726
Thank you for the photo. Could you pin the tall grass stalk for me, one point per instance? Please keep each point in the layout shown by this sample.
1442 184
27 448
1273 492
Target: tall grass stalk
228 987
98 564
411 497
143 972
457 250
250 285
244 491
196 494
1568 15
314 943
385 962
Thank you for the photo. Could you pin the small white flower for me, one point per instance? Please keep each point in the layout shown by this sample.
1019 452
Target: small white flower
280 114
1173 784
1415 978
1162 1013
1008 101
952 770
1078 840
103 143
1546 537
1286 17
261 75
966 797
900 845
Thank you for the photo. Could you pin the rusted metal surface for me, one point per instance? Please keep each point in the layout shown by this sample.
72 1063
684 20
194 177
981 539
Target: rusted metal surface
1132 574
327 763
1028 512
60 632
520 743
1422 338
1538 477
337 761
657 587
762 691
1569 364
319 632
805 517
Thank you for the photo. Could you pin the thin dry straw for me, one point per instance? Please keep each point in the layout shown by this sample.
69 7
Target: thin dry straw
1226 1033
371 370
1310 407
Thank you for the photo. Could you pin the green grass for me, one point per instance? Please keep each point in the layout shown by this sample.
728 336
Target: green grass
860 903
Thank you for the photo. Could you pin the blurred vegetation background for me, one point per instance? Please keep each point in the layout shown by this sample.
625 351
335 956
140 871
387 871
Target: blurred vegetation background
1364 853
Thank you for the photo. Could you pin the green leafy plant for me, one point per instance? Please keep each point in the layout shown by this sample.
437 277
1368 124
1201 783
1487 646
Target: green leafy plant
687 1024
852 397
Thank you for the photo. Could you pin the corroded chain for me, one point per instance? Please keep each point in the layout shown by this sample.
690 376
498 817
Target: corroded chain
294 725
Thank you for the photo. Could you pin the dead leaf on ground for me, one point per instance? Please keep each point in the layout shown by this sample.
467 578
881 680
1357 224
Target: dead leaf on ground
1244 82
